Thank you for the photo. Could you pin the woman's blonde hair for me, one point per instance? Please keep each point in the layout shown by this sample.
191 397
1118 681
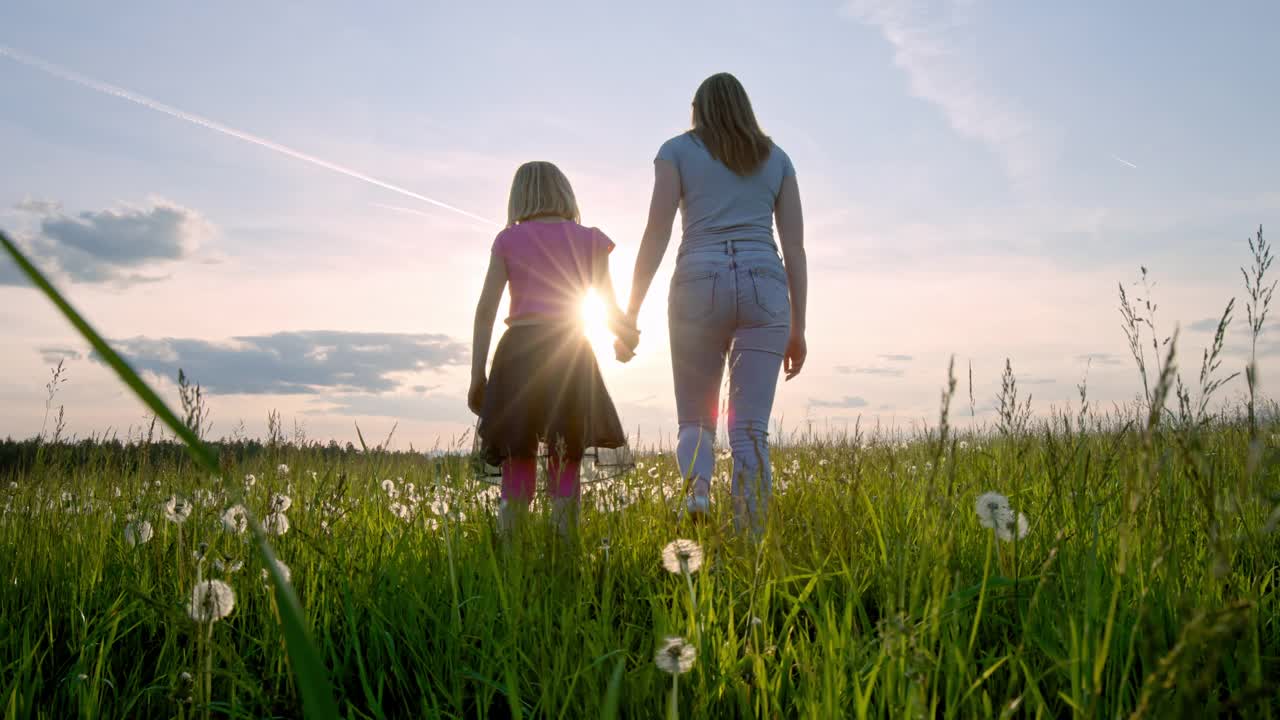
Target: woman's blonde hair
539 189
724 122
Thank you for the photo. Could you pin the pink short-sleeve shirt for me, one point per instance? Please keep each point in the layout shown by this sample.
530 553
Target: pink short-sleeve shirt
549 266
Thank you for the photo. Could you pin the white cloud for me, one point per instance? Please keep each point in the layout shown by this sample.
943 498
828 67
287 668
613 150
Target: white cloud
929 44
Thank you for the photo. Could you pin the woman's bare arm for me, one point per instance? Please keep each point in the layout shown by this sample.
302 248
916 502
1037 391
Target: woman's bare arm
657 233
790 220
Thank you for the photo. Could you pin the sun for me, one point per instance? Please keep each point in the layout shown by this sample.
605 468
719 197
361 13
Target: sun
595 324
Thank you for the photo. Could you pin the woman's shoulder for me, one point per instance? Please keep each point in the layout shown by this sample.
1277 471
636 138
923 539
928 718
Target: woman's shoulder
672 148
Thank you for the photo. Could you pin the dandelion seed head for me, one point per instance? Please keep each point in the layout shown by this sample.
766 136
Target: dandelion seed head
211 600
401 511
682 556
1014 528
282 470
280 503
138 532
235 519
284 571
993 510
675 656
276 524
250 480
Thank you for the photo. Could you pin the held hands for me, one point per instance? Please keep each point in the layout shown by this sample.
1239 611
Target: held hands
627 335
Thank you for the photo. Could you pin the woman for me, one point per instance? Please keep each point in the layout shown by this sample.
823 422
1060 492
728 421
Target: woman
732 299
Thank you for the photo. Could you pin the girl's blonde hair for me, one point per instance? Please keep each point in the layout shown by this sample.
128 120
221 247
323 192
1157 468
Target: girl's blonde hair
539 189
724 122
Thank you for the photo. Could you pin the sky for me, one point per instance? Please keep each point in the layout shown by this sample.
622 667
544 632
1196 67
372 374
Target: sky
293 202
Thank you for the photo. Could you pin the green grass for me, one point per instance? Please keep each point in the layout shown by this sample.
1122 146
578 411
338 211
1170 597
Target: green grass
1145 586
878 592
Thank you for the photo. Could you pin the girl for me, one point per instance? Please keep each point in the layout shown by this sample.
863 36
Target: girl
545 385
733 301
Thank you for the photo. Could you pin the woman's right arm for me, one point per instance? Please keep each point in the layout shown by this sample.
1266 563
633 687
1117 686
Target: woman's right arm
482 332
790 221
657 232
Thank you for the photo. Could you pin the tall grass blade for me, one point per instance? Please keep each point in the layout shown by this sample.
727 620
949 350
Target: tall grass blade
313 678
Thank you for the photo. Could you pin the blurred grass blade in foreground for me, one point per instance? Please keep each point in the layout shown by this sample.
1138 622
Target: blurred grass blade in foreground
313 678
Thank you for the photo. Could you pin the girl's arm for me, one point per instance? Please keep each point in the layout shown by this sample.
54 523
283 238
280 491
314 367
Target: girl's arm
620 325
657 233
486 313
790 221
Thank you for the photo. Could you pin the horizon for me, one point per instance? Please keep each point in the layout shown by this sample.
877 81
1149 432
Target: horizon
307 231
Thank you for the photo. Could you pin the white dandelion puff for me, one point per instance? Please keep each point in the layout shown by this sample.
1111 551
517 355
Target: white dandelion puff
282 470
675 656
235 519
1014 528
682 556
993 510
284 571
211 601
276 524
964 444
138 533
280 503
389 487
401 511
250 480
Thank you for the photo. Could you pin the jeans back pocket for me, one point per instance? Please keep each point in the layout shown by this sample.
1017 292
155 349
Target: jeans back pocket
772 294
693 294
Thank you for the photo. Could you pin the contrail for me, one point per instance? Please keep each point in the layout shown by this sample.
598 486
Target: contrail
1122 160
143 100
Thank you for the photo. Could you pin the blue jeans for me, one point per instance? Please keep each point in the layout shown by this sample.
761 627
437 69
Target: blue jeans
729 305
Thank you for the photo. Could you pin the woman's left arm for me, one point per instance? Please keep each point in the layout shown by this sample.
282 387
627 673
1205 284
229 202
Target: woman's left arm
790 219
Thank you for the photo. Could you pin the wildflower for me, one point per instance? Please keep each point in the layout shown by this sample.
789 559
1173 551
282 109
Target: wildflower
822 462
13 485
235 519
964 444
682 556
276 524
389 487
284 571
250 480
184 677
115 490
280 503
993 510
653 472
228 566
1014 528
675 656
138 533
282 470
401 511
211 601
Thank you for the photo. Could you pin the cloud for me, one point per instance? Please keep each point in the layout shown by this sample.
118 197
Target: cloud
896 358
295 363
1100 359
1207 325
884 372
432 408
848 402
113 246
1036 381
52 355
931 44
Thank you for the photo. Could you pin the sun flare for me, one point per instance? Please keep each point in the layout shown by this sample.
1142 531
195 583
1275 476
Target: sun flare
595 324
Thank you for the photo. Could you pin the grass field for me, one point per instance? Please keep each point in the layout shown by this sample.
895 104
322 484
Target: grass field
1127 570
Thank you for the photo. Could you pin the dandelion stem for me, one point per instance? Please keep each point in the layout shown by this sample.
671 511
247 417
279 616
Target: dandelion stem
673 700
982 592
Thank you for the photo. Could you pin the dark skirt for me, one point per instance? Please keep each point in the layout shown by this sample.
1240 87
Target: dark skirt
545 387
